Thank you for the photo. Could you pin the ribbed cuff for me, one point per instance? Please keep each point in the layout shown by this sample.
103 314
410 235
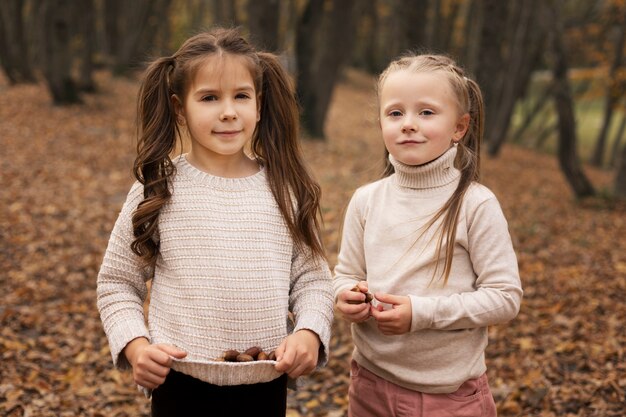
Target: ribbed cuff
423 310
317 322
122 333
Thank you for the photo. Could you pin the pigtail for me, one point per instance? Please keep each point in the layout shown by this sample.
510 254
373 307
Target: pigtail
157 132
277 145
471 142
468 162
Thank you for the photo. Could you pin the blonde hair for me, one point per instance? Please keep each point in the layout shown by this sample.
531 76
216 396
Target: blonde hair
470 101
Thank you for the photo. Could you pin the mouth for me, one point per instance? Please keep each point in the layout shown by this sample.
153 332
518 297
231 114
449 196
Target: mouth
411 142
227 132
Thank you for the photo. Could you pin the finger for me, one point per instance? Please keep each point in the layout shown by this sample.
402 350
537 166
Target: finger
387 316
297 371
363 286
151 372
376 312
353 309
352 296
280 350
148 379
286 361
172 351
390 298
152 380
160 357
362 316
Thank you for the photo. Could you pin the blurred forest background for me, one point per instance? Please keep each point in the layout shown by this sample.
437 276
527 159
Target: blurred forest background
553 75
526 55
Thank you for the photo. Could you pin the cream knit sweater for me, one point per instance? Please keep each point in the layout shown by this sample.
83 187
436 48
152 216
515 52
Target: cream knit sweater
226 277
448 335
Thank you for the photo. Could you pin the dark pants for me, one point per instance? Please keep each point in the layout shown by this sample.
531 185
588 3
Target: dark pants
183 395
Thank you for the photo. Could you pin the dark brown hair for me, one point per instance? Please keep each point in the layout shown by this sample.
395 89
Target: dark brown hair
470 101
275 141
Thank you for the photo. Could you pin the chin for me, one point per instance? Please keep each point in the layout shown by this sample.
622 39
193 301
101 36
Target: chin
412 161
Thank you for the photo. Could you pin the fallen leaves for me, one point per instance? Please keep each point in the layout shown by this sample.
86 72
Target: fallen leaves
65 174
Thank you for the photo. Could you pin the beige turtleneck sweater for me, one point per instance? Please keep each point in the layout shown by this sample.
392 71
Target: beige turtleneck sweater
226 277
381 244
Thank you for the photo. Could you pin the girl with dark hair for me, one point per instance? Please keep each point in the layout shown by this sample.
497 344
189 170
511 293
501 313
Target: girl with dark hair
433 246
228 234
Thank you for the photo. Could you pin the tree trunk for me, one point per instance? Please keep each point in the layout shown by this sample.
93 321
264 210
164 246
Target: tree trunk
14 48
58 52
135 30
446 27
415 34
319 60
86 21
365 52
613 95
490 65
154 37
526 49
306 40
567 154
112 10
471 45
620 177
263 19
617 141
432 23
132 19
395 42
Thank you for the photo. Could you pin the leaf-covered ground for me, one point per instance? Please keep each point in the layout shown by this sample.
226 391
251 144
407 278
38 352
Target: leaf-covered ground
65 173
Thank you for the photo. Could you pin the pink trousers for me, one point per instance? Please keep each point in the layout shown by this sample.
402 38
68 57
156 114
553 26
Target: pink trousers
372 396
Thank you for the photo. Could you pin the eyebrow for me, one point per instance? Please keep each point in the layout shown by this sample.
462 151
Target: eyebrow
419 103
208 90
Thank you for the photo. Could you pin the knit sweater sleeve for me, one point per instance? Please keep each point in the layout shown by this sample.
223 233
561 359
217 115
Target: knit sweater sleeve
310 298
498 291
121 284
350 268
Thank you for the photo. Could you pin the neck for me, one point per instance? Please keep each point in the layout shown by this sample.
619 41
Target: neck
226 166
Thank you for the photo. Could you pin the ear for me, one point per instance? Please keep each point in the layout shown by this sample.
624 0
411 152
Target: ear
461 127
179 109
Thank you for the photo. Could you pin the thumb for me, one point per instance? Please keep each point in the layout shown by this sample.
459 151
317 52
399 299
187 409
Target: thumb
390 298
280 350
173 351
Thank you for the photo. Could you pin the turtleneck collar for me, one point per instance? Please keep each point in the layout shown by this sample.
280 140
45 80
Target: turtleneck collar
436 173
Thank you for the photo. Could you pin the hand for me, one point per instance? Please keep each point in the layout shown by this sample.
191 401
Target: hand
397 319
151 363
298 352
355 313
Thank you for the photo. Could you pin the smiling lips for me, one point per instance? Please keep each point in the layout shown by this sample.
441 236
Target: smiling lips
227 132
411 141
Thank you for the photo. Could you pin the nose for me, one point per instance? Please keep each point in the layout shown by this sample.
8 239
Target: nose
228 111
409 125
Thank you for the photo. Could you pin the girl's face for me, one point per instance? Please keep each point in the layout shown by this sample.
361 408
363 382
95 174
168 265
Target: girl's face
220 111
419 116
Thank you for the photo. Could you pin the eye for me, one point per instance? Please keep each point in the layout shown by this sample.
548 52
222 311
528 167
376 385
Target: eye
210 97
242 96
427 113
395 113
